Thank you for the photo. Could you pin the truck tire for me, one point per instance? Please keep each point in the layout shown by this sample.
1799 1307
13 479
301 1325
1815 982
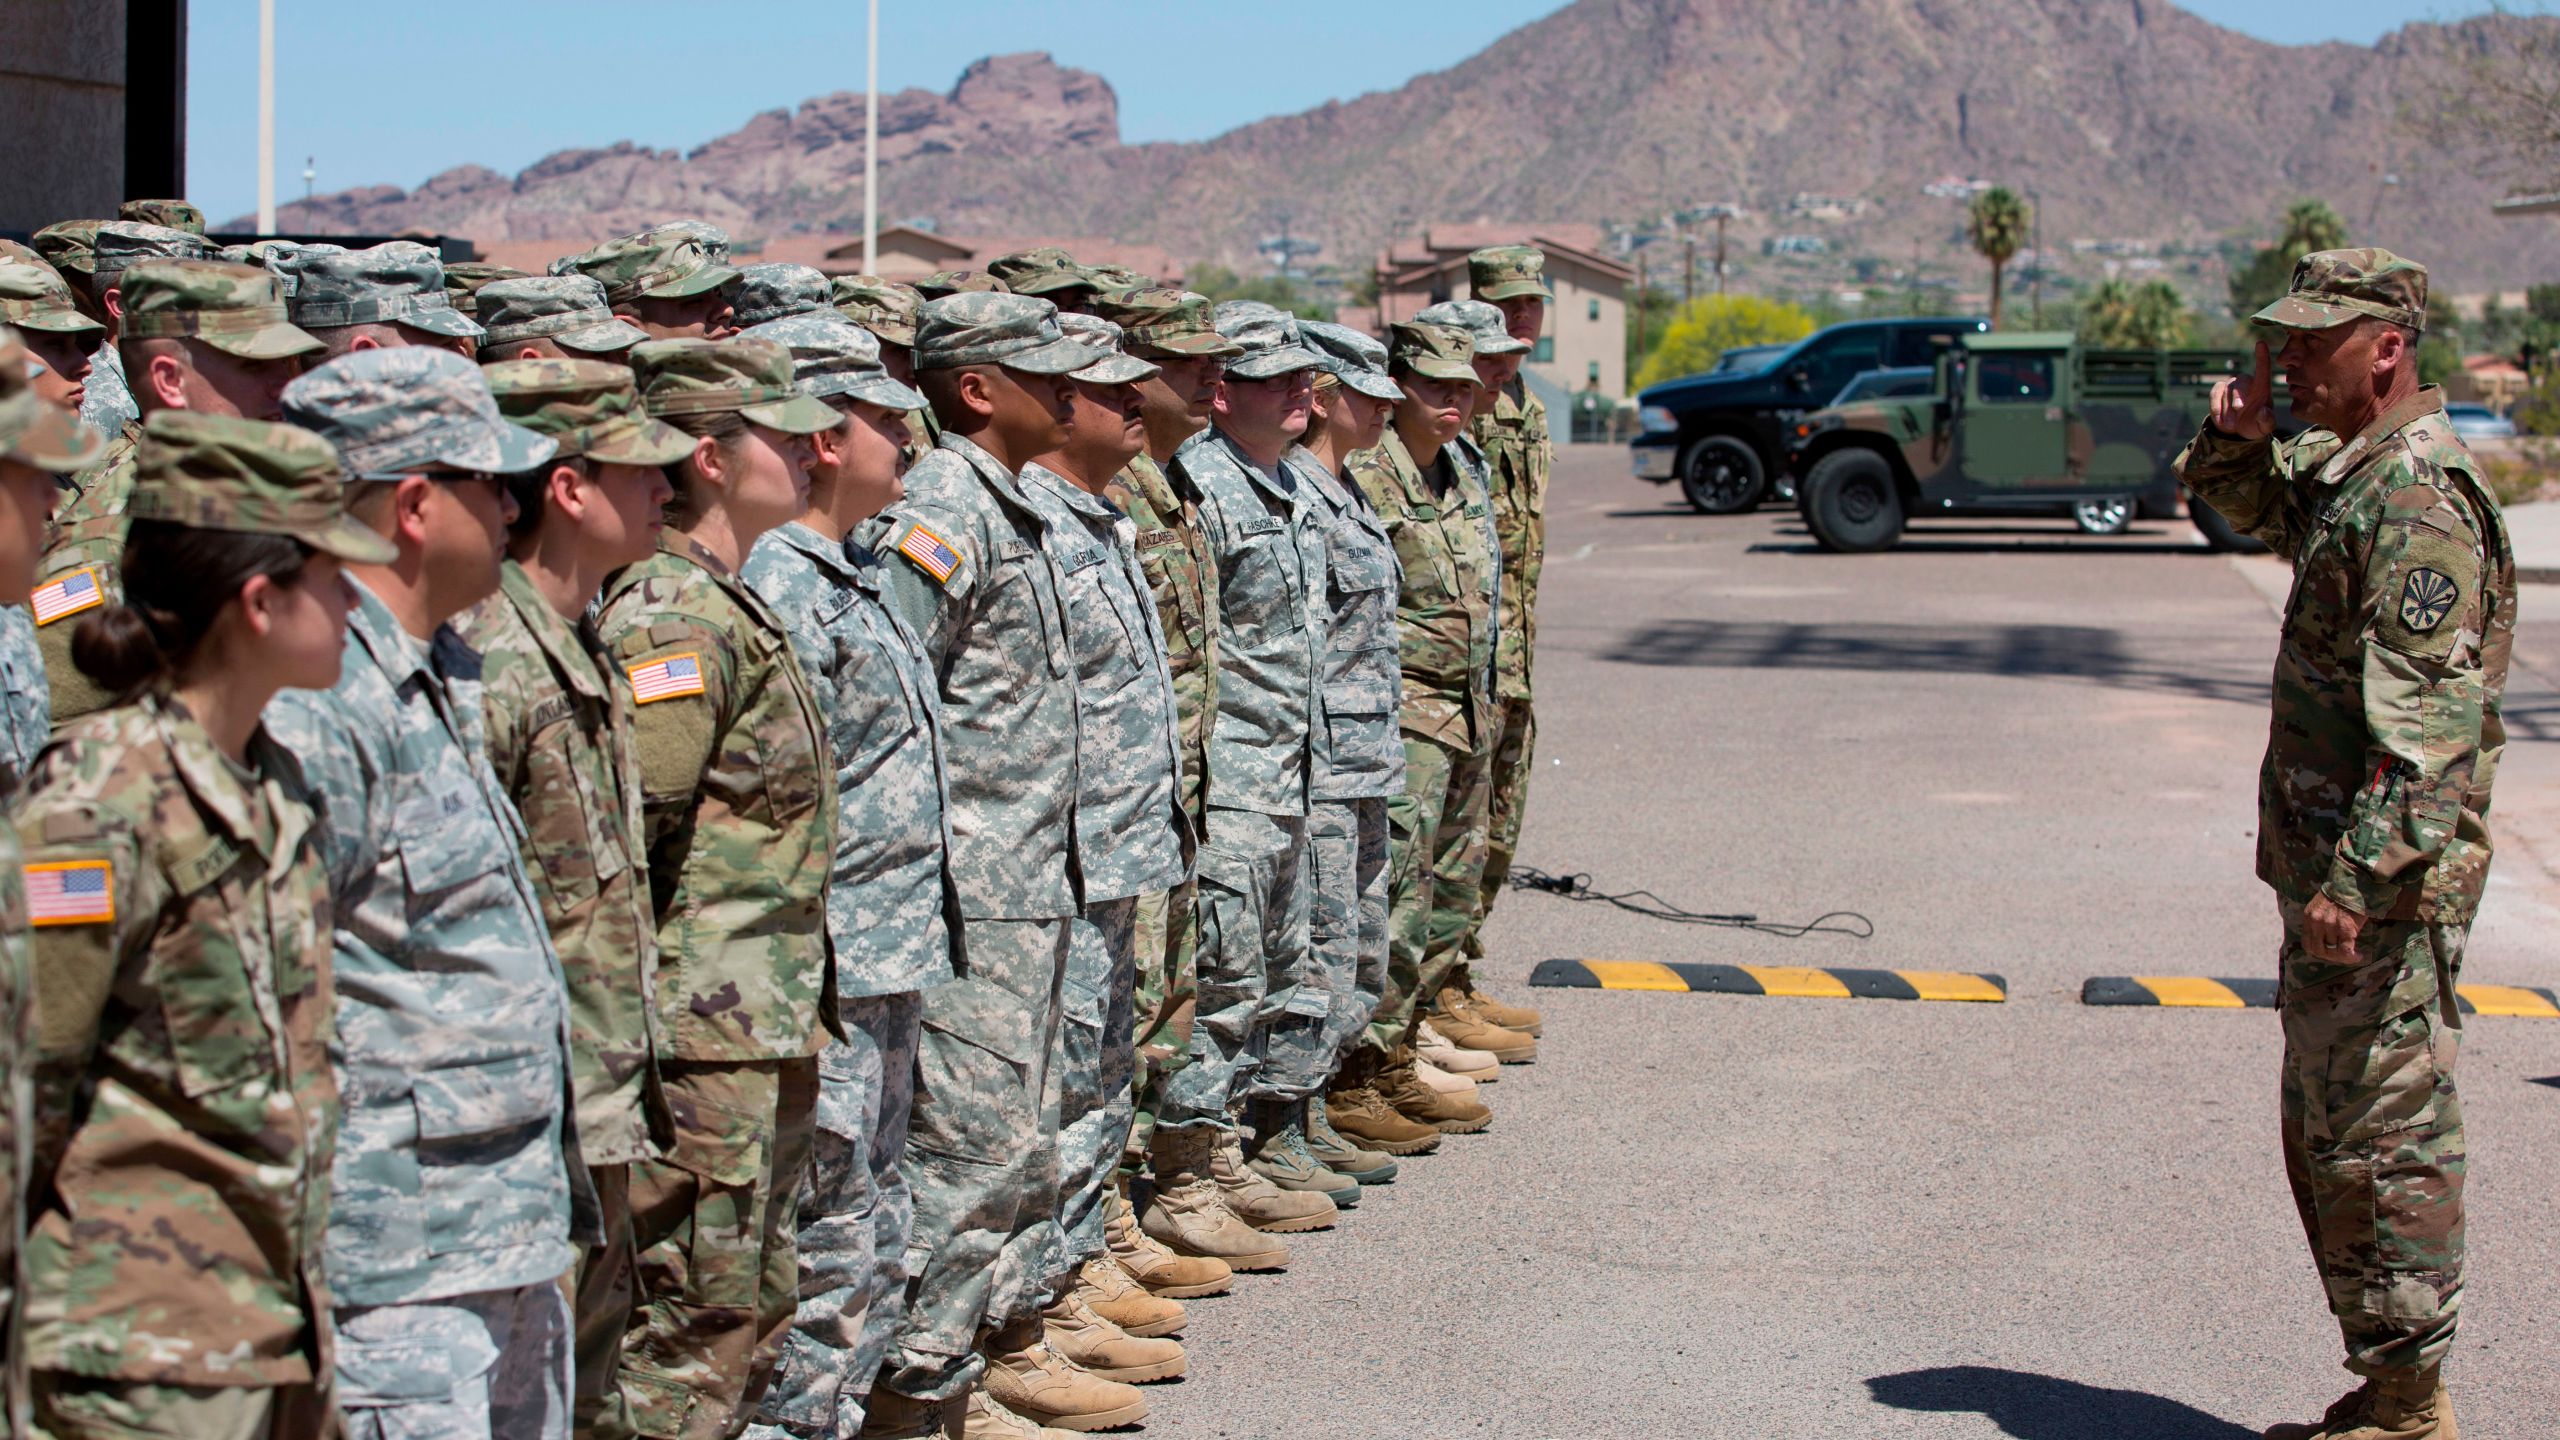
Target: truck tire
1850 502
1721 475
2103 515
2217 531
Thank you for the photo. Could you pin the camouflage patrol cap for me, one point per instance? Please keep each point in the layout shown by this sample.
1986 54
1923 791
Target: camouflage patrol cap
237 309
1115 367
278 257
983 327
218 472
1358 360
46 437
464 279
2332 287
589 408
1267 338
667 262
568 310
832 356
708 377
1046 270
1475 316
959 282
1160 321
395 411
34 297
71 247
122 243
173 214
774 289
1505 272
1108 278
1435 352
883 307
396 282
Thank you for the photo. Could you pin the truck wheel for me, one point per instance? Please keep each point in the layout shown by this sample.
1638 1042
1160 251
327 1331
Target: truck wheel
2106 515
1850 503
1722 476
2217 531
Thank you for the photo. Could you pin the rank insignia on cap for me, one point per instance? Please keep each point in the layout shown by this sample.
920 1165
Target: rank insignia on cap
69 595
2426 598
670 677
71 892
931 552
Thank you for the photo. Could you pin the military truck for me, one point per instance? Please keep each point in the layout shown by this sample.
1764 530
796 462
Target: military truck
2022 423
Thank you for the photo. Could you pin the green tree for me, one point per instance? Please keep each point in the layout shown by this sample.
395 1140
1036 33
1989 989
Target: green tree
1708 326
1220 283
2308 225
1996 226
2120 315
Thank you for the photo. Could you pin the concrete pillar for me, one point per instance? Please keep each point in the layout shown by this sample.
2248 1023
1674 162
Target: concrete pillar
62 85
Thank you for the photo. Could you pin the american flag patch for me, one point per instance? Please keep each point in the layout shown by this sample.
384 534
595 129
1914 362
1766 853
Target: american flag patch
931 553
69 595
670 678
71 892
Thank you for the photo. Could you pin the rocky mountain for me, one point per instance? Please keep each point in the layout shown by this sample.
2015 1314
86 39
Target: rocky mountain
2128 118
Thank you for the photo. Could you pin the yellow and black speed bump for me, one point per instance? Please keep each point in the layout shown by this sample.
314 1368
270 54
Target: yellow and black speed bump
2198 992
1821 984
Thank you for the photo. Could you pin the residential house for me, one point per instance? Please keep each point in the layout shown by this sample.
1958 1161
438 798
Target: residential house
1584 344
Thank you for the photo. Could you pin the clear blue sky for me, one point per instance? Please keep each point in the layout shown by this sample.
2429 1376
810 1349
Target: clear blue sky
522 78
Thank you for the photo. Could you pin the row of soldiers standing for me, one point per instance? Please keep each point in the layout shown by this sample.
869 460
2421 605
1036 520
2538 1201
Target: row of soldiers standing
778 856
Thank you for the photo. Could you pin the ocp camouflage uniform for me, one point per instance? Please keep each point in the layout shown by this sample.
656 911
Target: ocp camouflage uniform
2375 792
1512 433
888 309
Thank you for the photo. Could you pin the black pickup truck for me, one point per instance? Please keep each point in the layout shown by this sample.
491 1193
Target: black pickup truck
1724 436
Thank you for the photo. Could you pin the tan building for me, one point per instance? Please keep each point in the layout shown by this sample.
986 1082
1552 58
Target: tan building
1584 345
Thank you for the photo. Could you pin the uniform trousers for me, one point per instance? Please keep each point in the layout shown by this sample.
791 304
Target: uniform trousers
78 1407
1515 754
1346 927
1168 999
487 1366
1093 1076
1435 864
1251 956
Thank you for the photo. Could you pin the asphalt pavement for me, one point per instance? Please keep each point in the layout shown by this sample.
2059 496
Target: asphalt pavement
2015 750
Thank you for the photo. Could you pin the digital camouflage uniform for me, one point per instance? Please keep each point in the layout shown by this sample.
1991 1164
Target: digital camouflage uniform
458 1192
2375 792
398 282
69 246
776 291
565 311
32 298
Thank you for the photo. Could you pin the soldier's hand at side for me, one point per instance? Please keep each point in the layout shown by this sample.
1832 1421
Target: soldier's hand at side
2330 930
2245 405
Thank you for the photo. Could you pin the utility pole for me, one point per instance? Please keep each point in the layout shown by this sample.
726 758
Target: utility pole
871 149
1688 267
266 117
1722 213
310 173
1644 302
2035 232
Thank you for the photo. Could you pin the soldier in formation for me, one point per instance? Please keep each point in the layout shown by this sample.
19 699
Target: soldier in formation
798 856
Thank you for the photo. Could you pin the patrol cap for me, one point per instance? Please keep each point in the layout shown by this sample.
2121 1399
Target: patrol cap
985 327
121 243
34 297
1115 367
709 377
1506 272
277 258
831 356
568 310
464 279
883 307
32 432
1119 277
398 281
71 247
665 262
957 282
2332 287
1267 337
218 472
1484 321
397 410
1161 321
589 408
237 309
170 214
773 290
1046 270
1357 359
1435 352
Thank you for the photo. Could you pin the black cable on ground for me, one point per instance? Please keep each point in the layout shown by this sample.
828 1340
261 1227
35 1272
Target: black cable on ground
1653 907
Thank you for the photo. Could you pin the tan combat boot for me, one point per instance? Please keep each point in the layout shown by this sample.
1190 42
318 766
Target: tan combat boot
1028 1378
983 1419
1468 1030
1281 1155
2411 1406
1441 1080
1259 1203
1076 1331
1148 1261
1402 1088
1440 1050
1361 1113
1188 1211
1518 1019
1341 1154
1116 1296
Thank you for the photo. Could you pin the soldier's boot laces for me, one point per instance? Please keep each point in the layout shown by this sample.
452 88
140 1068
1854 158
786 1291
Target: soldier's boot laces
2413 1407
1449 1114
1456 1017
1153 1264
1281 1156
1340 1154
981 1418
1362 1113
1116 1296
1188 1212
1028 1378
1258 1202
1433 1047
1075 1330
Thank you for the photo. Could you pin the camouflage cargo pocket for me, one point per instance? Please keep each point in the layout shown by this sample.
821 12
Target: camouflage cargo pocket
722 1151
2388 1079
208 1000
973 1074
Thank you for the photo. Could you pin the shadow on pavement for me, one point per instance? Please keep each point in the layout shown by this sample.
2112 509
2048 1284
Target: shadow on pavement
2060 652
2040 1407
2551 1080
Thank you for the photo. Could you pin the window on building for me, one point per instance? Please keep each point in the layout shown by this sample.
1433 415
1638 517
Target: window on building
1591 372
1595 309
1545 351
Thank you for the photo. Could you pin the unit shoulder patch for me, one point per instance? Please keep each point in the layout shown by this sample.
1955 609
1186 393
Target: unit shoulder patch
2426 597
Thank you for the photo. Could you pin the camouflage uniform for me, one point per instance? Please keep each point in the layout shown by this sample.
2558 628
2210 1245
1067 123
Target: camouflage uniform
172 214
888 310
69 246
2375 792
399 282
1445 617
1513 435
775 291
457 1183
673 261
566 311
972 578
464 281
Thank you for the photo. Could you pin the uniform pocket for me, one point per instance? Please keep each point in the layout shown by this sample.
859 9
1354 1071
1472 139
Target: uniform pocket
973 1073
217 1038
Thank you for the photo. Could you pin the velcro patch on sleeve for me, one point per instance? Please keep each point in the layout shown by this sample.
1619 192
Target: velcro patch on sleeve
66 596
70 892
2431 594
669 677
931 553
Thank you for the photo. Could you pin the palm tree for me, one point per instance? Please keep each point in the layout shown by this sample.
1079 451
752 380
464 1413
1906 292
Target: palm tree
1997 226
2311 225
2120 315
